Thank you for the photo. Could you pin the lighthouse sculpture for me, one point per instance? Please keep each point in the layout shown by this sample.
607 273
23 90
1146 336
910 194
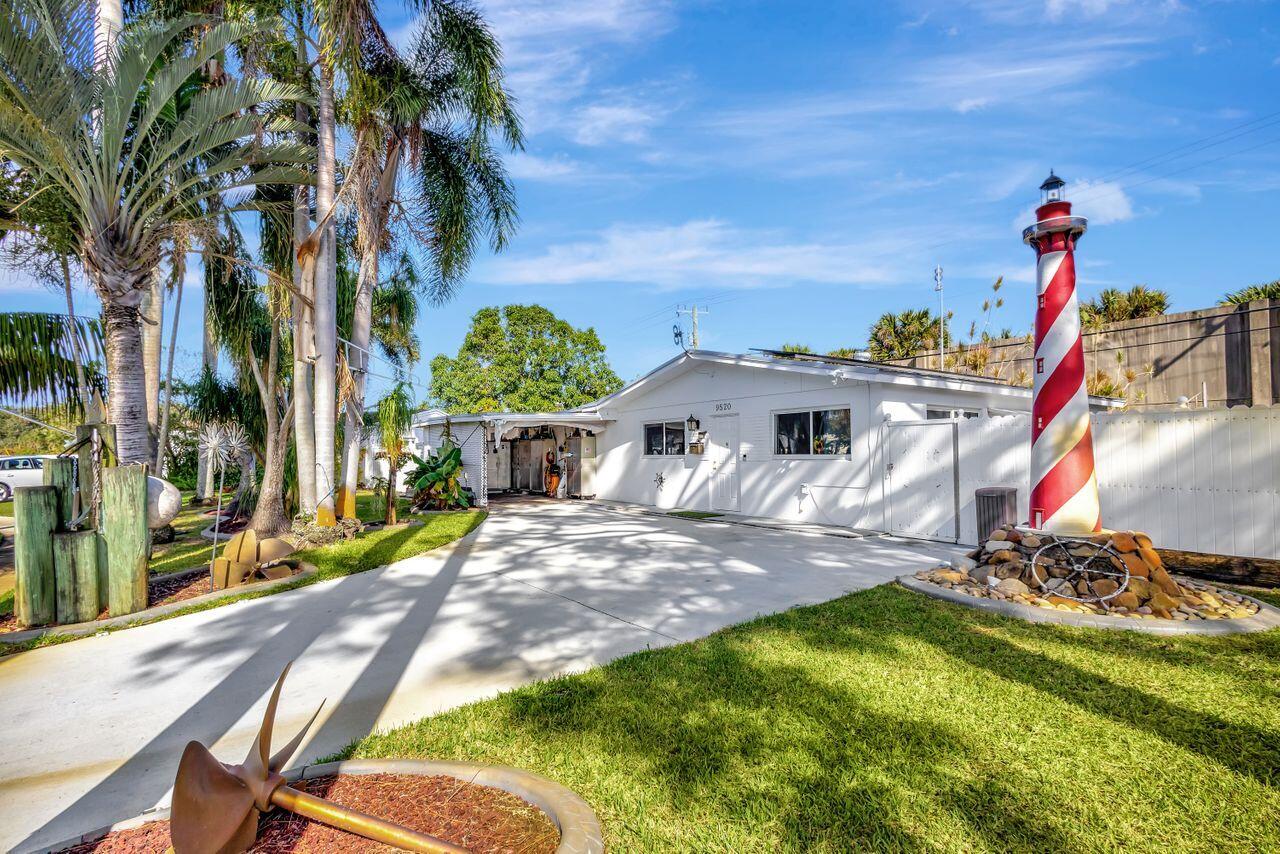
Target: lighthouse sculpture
1064 486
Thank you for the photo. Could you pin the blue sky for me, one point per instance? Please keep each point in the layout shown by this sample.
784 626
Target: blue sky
801 167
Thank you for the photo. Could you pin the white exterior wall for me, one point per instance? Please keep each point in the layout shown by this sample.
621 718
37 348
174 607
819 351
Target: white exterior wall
470 436
846 491
1197 480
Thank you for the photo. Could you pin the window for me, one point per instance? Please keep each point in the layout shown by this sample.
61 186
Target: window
666 439
936 414
38 462
818 432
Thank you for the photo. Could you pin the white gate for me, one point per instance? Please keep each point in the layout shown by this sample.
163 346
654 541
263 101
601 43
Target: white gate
723 445
920 479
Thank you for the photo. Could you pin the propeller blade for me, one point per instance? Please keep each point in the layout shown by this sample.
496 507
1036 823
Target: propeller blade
212 807
280 759
258 761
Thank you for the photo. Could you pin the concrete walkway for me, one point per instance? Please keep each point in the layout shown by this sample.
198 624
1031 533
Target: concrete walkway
92 730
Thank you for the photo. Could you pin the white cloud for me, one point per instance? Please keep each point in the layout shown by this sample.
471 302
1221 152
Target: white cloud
1101 202
602 124
531 167
703 252
553 49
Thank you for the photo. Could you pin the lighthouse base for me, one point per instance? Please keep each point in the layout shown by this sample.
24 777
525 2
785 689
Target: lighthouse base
1115 573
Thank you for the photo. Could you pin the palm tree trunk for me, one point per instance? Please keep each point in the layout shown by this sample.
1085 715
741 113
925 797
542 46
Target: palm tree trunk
209 359
82 386
153 327
108 23
392 492
304 425
163 441
358 358
326 305
373 222
268 515
128 382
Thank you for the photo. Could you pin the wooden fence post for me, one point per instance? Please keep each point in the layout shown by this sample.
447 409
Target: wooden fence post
124 527
75 567
35 516
60 474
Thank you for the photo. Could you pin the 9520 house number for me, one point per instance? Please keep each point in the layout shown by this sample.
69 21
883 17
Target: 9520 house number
724 407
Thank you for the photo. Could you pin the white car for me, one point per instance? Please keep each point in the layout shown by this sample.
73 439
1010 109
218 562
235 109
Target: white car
21 471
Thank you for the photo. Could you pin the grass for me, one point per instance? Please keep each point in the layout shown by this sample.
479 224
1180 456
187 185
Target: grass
694 514
888 721
367 551
372 506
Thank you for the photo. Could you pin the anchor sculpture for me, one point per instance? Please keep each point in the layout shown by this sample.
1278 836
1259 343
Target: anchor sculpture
216 806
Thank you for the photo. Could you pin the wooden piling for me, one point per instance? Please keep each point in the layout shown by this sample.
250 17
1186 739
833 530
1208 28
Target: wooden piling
124 527
75 568
35 516
59 473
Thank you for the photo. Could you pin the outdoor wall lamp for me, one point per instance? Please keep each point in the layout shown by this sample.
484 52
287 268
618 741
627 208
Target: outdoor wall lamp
692 423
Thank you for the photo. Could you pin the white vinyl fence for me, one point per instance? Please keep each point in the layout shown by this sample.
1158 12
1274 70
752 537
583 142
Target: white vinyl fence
1198 480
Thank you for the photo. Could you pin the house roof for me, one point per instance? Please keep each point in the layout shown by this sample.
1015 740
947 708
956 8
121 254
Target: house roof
832 367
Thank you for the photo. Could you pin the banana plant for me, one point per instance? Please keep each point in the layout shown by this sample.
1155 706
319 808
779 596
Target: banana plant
437 481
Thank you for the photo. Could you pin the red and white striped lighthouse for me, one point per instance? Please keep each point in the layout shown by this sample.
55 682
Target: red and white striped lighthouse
1064 486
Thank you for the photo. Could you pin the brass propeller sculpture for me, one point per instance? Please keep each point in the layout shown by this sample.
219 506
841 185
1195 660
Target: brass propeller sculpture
216 806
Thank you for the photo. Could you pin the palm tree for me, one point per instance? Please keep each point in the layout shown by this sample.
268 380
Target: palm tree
1113 305
904 335
40 360
429 121
1271 290
395 417
114 141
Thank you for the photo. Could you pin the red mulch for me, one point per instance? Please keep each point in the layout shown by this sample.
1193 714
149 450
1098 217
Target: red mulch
162 590
478 818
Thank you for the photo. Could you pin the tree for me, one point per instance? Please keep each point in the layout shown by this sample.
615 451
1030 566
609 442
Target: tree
395 417
904 334
790 347
116 142
426 164
522 358
1270 290
40 360
1113 305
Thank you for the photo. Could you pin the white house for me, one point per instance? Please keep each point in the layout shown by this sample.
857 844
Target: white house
846 442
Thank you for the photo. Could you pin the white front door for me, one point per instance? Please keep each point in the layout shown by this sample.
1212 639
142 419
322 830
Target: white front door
919 473
722 448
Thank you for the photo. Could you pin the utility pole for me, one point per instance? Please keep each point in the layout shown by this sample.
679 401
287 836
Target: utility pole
693 313
942 319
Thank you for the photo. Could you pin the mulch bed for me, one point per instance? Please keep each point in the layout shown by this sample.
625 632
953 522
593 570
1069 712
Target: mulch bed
162 590
478 818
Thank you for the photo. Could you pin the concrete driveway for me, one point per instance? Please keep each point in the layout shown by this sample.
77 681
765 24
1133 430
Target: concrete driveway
92 730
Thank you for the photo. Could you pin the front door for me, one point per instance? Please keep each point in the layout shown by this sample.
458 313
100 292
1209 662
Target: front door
722 447
920 469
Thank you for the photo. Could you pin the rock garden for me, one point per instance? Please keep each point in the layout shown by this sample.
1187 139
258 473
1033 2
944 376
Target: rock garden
1118 574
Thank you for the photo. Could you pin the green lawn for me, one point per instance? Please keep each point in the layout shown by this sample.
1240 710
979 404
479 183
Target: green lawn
888 721
372 506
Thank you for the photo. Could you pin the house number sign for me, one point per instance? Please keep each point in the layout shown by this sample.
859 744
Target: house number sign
724 407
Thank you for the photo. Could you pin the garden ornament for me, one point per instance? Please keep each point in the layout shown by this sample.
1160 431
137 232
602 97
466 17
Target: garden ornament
216 806
1084 560
164 502
245 556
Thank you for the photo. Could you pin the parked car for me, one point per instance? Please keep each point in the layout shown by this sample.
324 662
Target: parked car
21 471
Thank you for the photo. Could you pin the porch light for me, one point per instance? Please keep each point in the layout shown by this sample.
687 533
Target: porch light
692 424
